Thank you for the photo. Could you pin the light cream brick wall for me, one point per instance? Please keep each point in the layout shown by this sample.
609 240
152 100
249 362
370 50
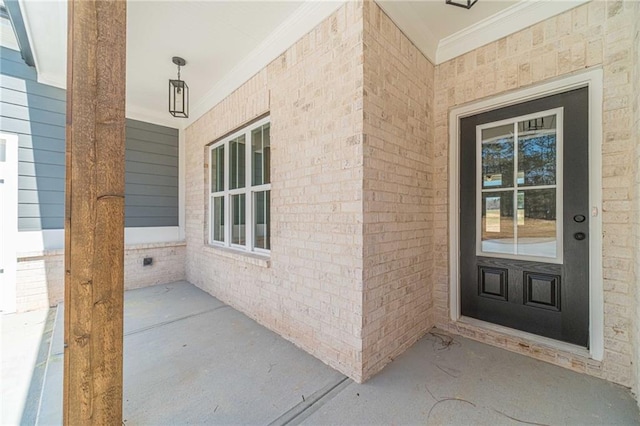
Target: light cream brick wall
310 290
168 264
40 280
398 129
636 138
40 276
596 34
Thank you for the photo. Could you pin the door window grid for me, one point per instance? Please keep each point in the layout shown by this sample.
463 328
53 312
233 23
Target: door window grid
492 191
234 162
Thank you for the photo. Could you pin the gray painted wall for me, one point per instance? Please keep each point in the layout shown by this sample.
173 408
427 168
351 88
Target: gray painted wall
36 113
151 192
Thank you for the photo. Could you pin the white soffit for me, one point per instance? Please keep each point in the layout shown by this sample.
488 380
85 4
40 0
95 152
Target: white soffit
443 32
406 15
513 19
303 20
427 22
46 26
227 42
212 36
224 43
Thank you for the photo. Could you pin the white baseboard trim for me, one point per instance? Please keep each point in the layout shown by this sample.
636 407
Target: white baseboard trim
53 239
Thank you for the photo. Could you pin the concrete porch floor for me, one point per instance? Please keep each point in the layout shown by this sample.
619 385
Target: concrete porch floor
189 358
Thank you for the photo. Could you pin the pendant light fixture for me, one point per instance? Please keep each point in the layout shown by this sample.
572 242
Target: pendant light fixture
462 3
179 93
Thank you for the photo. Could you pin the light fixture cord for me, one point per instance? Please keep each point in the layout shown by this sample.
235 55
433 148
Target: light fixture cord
178 72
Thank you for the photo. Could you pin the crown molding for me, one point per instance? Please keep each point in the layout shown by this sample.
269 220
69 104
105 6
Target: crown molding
303 20
511 20
27 27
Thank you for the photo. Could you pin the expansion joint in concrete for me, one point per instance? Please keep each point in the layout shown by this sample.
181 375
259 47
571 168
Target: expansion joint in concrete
310 404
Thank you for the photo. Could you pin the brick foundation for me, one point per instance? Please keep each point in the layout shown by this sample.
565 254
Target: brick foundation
41 275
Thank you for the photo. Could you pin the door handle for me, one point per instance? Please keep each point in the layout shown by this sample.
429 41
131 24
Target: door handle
579 236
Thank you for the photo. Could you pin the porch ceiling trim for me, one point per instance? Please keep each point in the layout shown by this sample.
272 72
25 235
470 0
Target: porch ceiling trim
15 13
304 19
509 21
46 22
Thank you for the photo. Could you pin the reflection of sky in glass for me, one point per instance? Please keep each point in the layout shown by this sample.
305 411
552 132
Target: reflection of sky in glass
496 180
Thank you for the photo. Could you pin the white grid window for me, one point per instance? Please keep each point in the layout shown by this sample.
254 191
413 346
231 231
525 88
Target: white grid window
240 189
519 187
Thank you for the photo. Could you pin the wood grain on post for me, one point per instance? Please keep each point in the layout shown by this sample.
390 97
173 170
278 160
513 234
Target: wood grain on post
94 212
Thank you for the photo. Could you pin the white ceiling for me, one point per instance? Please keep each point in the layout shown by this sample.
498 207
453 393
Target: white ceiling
219 37
427 22
226 42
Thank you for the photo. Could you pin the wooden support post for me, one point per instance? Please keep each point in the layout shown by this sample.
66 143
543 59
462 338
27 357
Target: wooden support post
94 216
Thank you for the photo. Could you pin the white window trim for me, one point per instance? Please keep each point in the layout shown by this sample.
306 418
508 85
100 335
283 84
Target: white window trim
592 78
226 193
558 259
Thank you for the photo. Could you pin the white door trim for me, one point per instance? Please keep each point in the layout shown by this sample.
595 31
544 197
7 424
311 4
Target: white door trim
592 78
9 223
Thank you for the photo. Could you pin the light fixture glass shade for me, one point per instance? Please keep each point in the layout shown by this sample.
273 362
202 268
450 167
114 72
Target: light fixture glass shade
178 98
462 3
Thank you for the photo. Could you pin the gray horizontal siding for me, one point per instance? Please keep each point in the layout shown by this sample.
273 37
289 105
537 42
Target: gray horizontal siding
36 113
38 223
145 135
146 179
37 183
40 155
152 201
16 97
29 196
151 175
133 190
151 128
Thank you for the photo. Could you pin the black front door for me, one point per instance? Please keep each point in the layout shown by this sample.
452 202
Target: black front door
524 217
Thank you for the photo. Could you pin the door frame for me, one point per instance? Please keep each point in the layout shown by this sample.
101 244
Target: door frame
10 225
593 79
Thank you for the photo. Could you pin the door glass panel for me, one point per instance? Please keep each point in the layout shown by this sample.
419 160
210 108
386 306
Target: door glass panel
537 151
519 187
497 157
537 231
238 231
497 222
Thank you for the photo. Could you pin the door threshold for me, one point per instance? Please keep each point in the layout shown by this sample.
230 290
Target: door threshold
533 338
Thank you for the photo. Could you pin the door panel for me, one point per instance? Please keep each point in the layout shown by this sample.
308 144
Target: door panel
524 204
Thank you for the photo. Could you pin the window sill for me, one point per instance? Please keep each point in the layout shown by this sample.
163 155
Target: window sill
262 260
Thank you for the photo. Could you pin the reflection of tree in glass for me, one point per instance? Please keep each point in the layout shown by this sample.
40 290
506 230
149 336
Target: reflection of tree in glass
541 204
539 219
537 159
497 163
